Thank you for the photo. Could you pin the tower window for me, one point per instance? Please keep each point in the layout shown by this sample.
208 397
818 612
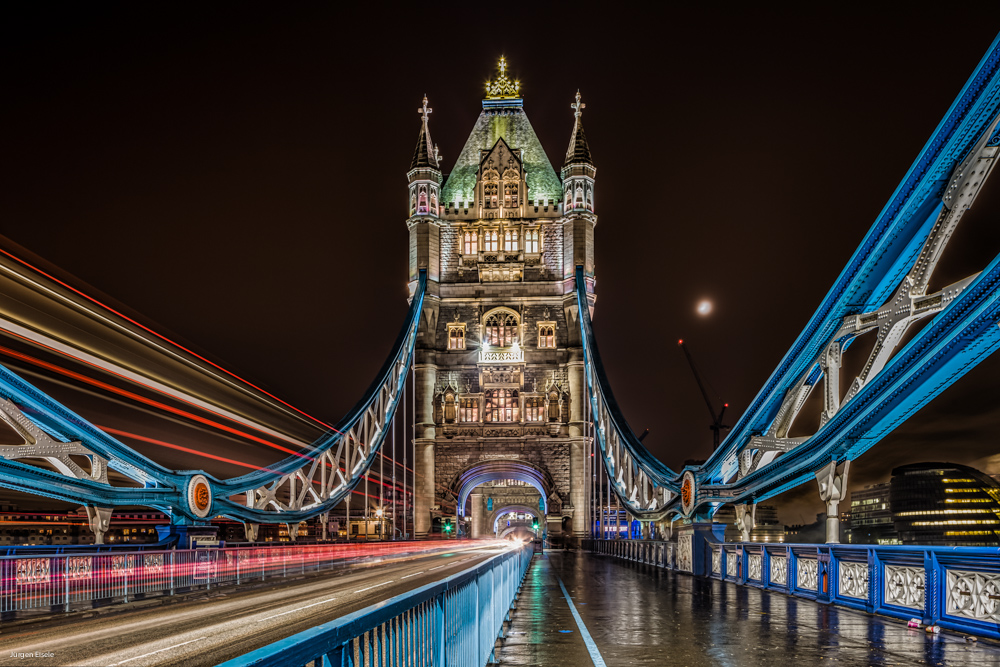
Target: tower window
468 410
456 337
531 241
449 408
546 334
501 328
510 240
501 405
490 242
534 409
471 243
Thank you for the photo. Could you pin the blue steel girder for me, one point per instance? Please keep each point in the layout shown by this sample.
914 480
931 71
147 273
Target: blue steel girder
294 489
883 289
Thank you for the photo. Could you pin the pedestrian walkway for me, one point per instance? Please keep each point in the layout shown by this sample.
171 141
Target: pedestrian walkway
640 615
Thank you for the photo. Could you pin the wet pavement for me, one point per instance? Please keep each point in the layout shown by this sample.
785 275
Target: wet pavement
641 615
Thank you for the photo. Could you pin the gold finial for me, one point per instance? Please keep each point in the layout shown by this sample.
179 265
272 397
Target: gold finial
578 106
502 88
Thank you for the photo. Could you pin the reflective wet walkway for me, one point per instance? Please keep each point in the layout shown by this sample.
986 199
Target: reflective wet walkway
640 615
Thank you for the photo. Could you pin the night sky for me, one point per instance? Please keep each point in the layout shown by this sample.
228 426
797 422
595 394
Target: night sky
237 174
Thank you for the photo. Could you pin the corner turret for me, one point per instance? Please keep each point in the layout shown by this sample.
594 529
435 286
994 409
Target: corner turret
578 174
424 221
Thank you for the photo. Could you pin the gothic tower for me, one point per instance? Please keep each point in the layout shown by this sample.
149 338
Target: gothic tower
500 405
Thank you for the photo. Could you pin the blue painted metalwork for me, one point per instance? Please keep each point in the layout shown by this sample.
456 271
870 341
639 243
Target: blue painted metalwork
962 333
338 460
455 621
957 588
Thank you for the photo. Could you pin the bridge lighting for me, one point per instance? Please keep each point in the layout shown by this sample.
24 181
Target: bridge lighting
380 512
704 307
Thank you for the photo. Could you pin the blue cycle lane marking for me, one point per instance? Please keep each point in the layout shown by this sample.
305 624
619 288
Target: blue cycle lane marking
595 654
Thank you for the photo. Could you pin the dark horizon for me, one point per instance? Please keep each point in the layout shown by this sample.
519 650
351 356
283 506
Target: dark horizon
237 175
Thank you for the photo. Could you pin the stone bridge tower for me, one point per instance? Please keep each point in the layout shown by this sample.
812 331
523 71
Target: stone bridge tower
500 408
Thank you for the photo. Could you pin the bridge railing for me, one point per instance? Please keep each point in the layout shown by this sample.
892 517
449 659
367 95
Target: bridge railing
455 621
52 582
957 588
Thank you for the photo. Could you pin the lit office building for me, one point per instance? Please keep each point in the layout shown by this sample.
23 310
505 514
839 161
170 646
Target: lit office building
945 504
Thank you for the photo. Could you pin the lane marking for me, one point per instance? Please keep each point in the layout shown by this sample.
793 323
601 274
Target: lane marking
595 654
285 613
407 576
439 567
145 655
362 590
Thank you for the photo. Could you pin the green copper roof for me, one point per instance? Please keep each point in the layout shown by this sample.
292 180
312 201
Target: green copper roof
511 123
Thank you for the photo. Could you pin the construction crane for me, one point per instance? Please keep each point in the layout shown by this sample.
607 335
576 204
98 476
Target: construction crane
717 426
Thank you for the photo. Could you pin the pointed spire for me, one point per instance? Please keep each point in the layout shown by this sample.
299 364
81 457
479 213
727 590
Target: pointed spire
425 155
578 151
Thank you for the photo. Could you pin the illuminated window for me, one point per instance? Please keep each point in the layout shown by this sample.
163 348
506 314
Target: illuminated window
546 334
422 199
510 194
468 410
449 408
471 245
456 336
501 405
510 240
501 328
531 241
491 189
534 409
553 406
490 241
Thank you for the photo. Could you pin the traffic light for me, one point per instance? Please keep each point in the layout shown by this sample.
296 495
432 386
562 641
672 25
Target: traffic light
447 528
534 524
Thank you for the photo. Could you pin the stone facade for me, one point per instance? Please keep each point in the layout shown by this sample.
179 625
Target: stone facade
499 370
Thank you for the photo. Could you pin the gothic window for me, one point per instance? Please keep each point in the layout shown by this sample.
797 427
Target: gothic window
468 410
471 245
490 241
413 204
422 199
510 240
590 199
491 189
553 406
534 409
569 198
579 196
531 241
546 335
501 405
434 201
510 195
449 408
456 337
501 328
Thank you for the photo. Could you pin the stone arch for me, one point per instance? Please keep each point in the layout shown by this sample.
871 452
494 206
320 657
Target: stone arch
495 515
492 470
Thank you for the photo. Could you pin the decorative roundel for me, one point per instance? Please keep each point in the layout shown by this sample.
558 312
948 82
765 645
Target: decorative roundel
199 496
687 492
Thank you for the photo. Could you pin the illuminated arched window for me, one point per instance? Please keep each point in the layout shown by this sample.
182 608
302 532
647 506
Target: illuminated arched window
491 241
510 240
449 408
501 328
546 335
491 189
422 199
531 241
471 244
553 406
500 405
468 410
534 409
456 337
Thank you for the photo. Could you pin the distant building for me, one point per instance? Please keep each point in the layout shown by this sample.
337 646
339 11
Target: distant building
945 504
871 520
768 528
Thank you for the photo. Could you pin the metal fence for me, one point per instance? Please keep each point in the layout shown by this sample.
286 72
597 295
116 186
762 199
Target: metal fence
451 623
954 587
46 582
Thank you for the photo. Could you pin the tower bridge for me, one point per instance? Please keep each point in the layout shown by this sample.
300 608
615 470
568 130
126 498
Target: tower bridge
497 372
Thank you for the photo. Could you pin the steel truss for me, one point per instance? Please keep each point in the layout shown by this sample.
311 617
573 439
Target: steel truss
297 488
882 291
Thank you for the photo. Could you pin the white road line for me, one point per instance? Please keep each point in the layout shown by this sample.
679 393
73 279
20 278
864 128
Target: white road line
407 576
145 655
595 653
439 567
375 586
285 613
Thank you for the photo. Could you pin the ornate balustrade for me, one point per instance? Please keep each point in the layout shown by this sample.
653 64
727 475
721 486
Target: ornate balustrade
957 588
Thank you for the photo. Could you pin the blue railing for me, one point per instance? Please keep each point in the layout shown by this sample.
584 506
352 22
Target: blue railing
957 588
455 621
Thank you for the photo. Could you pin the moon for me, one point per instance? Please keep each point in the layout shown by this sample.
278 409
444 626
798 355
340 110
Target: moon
704 307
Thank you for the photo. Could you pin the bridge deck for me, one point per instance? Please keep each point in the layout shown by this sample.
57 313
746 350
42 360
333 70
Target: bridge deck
641 615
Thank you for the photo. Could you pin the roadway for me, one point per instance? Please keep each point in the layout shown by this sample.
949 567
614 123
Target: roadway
213 627
626 613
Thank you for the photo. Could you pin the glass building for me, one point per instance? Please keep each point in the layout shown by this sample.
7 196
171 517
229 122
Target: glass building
945 504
